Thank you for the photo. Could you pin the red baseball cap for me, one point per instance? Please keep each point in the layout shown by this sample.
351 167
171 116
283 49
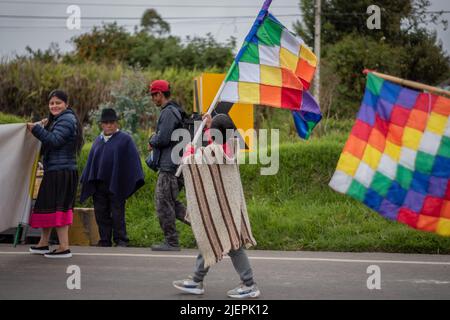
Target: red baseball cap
159 86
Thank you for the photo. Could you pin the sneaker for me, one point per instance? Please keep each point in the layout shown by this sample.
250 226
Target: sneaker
243 292
62 254
40 250
189 286
165 247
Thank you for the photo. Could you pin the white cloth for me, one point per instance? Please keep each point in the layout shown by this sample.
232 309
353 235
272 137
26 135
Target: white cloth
19 151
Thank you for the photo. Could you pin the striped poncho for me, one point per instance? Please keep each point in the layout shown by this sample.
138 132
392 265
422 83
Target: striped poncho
215 203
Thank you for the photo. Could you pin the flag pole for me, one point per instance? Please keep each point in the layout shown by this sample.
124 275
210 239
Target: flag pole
261 15
408 83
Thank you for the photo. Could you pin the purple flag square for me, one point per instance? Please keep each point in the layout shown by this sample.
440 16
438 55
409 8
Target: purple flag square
437 186
309 104
389 210
407 98
384 109
367 114
414 200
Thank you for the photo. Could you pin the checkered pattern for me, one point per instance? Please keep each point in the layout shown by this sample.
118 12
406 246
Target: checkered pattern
397 157
272 69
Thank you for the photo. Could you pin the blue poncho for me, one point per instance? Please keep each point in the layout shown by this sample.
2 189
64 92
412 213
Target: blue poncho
115 162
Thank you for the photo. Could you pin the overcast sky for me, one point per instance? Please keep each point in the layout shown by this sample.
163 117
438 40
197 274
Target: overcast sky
19 31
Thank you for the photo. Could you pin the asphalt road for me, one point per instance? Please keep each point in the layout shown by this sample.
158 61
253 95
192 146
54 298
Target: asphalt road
139 273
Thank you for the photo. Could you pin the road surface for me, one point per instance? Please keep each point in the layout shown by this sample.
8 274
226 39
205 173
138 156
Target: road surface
139 273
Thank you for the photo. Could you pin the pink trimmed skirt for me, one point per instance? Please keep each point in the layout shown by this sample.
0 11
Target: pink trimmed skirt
55 200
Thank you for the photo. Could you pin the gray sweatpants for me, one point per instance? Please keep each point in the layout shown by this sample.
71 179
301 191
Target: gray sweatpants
240 262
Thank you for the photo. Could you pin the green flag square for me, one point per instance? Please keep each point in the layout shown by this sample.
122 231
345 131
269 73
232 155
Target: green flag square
357 190
381 184
404 176
269 33
374 84
424 162
233 74
251 53
444 148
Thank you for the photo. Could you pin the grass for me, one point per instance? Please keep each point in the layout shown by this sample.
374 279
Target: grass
9 118
295 209
292 210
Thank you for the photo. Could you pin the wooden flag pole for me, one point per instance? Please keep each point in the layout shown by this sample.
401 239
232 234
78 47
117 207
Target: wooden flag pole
408 83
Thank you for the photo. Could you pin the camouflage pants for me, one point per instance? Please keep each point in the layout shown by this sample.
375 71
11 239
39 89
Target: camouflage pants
168 208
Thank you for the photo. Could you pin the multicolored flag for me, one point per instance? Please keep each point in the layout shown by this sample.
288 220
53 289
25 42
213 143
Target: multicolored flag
397 157
308 117
272 68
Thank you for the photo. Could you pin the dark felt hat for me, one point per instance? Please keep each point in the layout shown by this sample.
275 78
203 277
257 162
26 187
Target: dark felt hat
108 114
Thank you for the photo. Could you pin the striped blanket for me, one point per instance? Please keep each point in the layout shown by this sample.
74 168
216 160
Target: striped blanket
215 203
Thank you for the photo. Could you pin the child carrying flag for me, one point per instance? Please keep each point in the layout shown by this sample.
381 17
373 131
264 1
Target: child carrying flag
217 210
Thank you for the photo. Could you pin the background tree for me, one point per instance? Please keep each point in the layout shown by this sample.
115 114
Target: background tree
402 47
152 46
153 23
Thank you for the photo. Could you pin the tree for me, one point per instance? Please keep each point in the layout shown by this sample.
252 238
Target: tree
342 17
153 23
402 47
107 43
349 57
111 43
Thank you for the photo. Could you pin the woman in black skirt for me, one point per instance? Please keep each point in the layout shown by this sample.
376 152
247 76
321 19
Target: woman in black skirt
62 138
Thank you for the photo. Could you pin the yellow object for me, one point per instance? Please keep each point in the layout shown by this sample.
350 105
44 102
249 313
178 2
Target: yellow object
37 183
205 88
84 230
372 157
393 151
271 76
411 138
348 163
288 60
308 55
443 227
437 123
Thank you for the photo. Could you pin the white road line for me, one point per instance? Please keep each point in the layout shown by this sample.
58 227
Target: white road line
253 258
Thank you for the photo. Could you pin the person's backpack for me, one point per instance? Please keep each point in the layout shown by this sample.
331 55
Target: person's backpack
186 122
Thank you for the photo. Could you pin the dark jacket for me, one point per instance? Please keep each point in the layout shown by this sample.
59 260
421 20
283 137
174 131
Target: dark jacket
116 163
169 120
58 142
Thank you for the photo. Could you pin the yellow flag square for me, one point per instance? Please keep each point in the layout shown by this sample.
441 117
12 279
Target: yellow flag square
371 156
443 227
271 76
392 150
437 123
348 163
248 92
288 60
411 138
308 55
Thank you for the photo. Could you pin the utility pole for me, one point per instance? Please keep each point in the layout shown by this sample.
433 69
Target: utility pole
317 25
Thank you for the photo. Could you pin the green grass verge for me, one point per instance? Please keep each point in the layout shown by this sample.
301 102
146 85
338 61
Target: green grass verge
295 209
9 118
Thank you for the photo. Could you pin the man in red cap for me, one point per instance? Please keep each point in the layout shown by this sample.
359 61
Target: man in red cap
168 208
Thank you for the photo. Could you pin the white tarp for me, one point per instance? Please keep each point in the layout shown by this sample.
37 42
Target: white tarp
18 157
